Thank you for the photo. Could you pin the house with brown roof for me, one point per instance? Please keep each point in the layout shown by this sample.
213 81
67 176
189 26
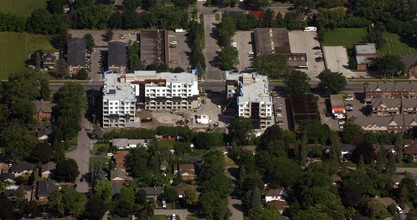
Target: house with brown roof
47 169
410 148
274 195
181 190
280 205
410 63
119 176
187 171
43 110
389 90
152 192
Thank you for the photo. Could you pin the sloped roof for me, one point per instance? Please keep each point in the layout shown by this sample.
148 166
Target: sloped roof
368 48
117 54
43 106
273 192
409 61
45 187
48 167
76 52
153 191
389 103
17 168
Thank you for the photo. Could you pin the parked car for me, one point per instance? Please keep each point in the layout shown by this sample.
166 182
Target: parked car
279 115
98 153
316 48
109 154
349 107
348 98
318 53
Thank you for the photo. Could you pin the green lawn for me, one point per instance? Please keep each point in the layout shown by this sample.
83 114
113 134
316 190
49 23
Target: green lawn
158 217
93 160
167 144
21 7
393 46
103 146
15 49
346 37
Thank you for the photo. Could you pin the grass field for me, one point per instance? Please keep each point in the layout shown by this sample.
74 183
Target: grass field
393 46
15 49
158 217
21 7
346 37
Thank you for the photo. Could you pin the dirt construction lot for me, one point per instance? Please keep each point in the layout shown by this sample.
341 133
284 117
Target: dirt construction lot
303 42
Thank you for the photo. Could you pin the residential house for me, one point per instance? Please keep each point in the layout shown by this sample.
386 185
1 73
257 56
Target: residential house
76 59
23 169
117 58
395 124
181 190
119 176
408 105
187 171
410 63
385 106
4 167
8 178
164 165
279 204
274 195
365 55
45 187
153 193
116 188
389 90
43 110
410 148
10 194
47 169
43 133
123 143
48 61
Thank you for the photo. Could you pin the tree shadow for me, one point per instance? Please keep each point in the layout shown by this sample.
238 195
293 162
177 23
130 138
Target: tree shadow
411 41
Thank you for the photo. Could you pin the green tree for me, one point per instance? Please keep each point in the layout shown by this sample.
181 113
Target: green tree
74 202
95 208
284 172
55 6
391 165
267 19
170 194
123 208
374 35
247 22
311 214
66 171
333 82
82 74
240 131
59 41
226 29
127 194
399 144
41 22
108 35
191 197
375 208
297 82
89 40
351 133
228 57
45 91
269 212
55 202
273 66
42 153
390 65
103 189
17 141
355 186
213 206
133 57
22 110
256 203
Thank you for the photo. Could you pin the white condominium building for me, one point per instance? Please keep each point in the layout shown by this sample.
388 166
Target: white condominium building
146 90
252 96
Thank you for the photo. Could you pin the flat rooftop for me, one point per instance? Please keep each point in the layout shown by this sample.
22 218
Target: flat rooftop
304 107
115 89
253 87
271 40
153 47
141 76
337 101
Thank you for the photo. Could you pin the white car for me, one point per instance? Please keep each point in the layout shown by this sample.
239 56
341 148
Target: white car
279 115
349 98
109 155
234 44
251 53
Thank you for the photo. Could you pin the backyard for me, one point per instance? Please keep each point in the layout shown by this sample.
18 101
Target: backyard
15 49
347 37
21 7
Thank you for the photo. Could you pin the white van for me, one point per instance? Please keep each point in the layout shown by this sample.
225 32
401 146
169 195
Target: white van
310 29
179 30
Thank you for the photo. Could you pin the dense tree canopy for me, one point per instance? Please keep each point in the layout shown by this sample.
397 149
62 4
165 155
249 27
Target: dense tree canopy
333 82
297 82
228 57
273 66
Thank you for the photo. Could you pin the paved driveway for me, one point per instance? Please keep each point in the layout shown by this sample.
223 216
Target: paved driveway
182 213
82 156
234 203
211 49
95 65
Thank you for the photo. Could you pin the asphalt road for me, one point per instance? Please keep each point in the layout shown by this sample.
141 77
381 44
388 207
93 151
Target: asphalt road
213 72
82 156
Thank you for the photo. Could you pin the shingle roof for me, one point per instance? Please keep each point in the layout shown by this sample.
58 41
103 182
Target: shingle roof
117 54
6 176
17 168
391 86
273 192
119 173
389 103
76 52
45 187
43 106
153 191
48 167
409 61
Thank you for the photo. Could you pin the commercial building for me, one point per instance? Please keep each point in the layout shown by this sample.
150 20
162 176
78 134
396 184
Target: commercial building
76 55
124 94
276 41
252 96
365 55
117 59
154 47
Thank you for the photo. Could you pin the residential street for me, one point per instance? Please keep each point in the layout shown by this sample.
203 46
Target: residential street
213 72
182 213
235 205
82 156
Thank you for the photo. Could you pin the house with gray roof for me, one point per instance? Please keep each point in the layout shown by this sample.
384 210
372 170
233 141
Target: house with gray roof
385 107
45 187
124 143
76 55
389 90
46 169
365 55
117 59
23 169
410 63
152 192
119 176
396 124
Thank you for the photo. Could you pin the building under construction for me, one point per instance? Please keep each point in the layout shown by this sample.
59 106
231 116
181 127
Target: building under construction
251 93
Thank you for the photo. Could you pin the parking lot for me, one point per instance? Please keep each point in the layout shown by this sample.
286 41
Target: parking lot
358 108
179 55
119 35
281 114
303 42
336 60
244 46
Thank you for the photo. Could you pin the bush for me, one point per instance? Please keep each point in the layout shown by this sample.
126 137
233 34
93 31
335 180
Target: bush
81 75
205 140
